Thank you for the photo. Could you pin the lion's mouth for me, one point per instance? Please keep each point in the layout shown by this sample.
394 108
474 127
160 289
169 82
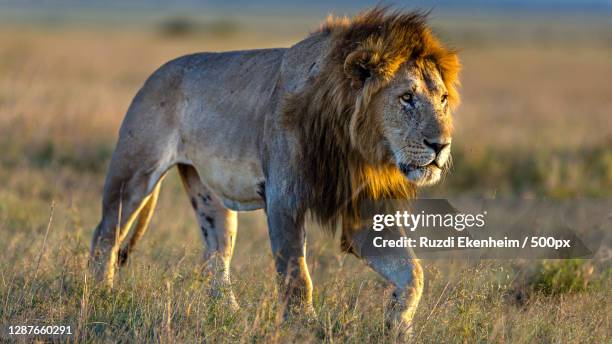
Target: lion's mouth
421 175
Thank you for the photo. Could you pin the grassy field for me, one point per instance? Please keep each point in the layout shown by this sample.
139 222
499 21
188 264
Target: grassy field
535 122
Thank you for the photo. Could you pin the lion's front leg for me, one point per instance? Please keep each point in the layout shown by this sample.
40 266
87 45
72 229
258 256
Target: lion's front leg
406 275
399 267
288 240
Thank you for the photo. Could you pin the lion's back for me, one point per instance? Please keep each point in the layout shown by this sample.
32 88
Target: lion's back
208 93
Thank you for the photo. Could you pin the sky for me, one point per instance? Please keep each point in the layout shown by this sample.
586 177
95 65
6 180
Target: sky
315 5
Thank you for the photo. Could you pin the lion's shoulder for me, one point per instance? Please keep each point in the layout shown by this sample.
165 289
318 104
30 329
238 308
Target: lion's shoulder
303 61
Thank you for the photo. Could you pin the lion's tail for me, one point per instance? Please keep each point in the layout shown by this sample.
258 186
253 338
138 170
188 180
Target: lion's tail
144 218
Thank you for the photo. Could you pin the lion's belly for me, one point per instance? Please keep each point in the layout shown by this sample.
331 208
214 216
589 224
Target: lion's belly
226 158
224 149
236 182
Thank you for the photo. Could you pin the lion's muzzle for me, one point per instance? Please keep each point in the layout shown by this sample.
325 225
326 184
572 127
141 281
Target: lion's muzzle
441 149
427 169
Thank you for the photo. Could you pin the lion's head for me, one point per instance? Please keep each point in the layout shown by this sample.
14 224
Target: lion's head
413 123
376 122
405 82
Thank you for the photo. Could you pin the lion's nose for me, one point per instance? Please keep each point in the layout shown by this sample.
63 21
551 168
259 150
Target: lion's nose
437 144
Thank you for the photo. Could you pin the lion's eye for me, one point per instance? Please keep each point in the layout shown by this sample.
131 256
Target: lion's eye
444 99
407 99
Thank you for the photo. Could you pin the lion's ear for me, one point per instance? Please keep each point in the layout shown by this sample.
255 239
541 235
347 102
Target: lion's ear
362 65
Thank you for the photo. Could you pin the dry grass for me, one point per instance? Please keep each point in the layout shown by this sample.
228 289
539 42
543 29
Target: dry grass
528 110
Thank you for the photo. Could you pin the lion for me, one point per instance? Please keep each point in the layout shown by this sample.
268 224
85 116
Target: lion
359 110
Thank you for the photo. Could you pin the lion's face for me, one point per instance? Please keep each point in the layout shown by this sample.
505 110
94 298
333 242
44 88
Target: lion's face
415 120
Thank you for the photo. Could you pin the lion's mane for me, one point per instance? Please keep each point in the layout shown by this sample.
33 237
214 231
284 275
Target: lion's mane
365 54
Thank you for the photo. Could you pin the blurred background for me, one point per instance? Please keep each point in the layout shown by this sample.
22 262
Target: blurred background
535 122
535 79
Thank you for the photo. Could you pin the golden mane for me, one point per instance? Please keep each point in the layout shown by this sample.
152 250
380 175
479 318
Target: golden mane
330 114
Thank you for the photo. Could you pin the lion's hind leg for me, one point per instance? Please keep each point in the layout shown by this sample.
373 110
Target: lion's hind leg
122 203
131 186
144 218
218 226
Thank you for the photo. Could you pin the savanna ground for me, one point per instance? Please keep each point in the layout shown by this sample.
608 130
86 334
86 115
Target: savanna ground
535 122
